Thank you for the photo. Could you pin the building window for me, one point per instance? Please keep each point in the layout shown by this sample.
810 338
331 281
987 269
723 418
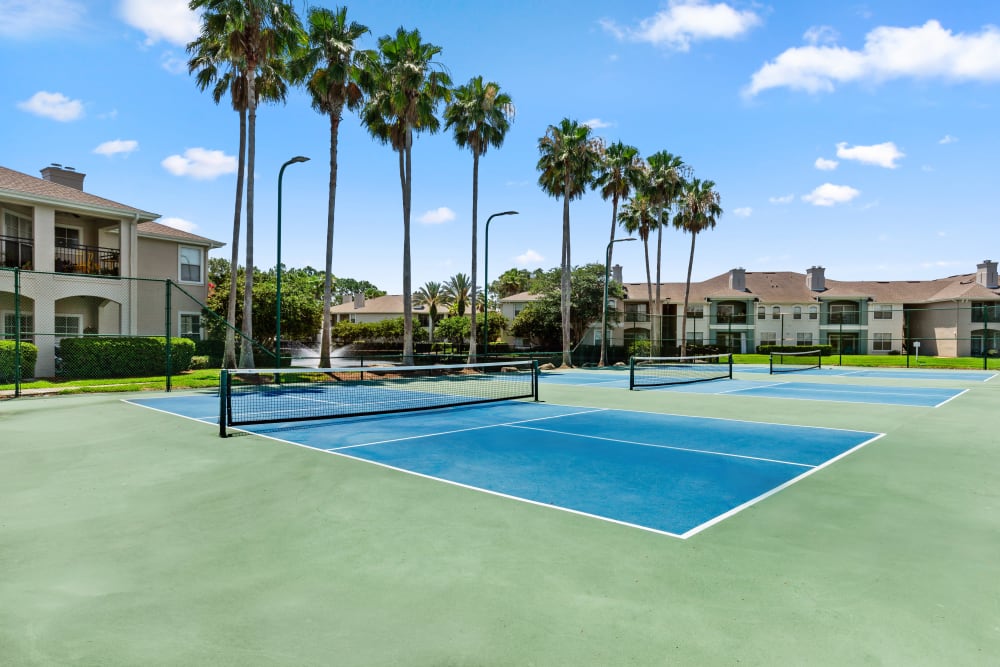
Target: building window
597 336
985 342
636 312
190 264
844 313
775 312
797 313
695 312
985 312
803 338
761 312
882 311
813 312
768 338
67 237
68 325
27 326
881 342
190 326
16 245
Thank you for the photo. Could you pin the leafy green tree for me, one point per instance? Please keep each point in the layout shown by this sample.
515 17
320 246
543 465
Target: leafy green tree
569 158
700 207
226 57
458 288
479 114
433 297
301 311
454 329
404 87
510 282
350 286
331 65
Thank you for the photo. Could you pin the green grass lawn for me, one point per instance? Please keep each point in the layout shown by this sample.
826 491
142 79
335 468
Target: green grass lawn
886 361
187 380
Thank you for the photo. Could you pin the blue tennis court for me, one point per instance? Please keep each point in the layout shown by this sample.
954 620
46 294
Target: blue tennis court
885 373
670 474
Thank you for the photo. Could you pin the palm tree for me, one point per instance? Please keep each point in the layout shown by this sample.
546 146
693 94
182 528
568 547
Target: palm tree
700 207
250 34
569 158
332 66
511 282
621 170
639 216
459 291
480 116
431 296
666 176
404 87
215 67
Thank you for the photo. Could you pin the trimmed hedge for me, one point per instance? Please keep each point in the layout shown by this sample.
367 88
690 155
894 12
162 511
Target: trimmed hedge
29 354
114 357
825 350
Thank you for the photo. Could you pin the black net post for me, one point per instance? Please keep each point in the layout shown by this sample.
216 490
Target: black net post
167 361
223 398
17 332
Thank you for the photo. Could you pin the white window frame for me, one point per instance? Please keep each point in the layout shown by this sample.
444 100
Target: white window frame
768 337
201 271
775 312
804 339
813 312
21 219
26 318
797 313
761 312
79 325
79 235
180 324
882 311
881 341
695 311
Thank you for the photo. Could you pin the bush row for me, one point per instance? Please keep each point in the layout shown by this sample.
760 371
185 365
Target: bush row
112 357
29 354
825 350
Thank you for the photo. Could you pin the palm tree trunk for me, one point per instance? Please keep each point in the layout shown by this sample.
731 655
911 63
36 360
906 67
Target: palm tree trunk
649 284
406 173
567 359
324 346
472 289
229 357
246 347
604 306
687 291
658 303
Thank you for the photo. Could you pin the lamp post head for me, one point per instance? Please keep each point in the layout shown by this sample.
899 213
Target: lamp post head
298 158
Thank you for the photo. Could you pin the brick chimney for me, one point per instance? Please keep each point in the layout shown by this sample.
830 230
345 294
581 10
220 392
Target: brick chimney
616 273
816 279
738 279
359 300
986 274
68 176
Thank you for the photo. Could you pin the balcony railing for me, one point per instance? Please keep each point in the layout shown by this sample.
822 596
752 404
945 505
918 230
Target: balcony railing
849 317
726 319
88 260
16 252
636 317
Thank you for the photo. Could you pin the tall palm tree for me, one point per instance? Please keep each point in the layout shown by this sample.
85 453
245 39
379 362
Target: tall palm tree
511 282
639 216
665 181
459 290
213 66
621 170
480 116
700 207
404 87
569 158
332 67
432 296
251 33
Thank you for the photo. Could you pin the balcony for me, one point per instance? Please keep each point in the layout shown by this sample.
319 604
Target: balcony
732 319
16 252
636 317
88 260
848 317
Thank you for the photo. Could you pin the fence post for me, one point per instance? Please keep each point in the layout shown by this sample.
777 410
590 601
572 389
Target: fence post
17 332
169 350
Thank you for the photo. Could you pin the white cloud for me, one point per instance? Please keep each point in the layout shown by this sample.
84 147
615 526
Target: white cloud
829 194
529 258
162 20
596 123
179 223
821 34
784 199
743 212
437 216
921 52
200 163
117 146
882 155
686 21
825 165
26 19
173 63
52 105
948 139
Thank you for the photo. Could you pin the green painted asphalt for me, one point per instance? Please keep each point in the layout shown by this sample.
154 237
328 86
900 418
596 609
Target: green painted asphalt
131 537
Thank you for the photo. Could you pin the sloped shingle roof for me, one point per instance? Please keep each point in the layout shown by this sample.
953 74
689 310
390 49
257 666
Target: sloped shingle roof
22 186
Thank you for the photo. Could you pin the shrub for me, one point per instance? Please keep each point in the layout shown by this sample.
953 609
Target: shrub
100 357
29 354
199 362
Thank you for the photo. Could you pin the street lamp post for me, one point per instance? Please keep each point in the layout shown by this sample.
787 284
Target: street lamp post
486 282
277 307
604 310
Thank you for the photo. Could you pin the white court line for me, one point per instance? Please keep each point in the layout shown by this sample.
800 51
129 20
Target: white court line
769 384
672 447
951 399
462 430
200 420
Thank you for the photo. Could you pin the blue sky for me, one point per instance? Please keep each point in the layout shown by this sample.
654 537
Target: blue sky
857 136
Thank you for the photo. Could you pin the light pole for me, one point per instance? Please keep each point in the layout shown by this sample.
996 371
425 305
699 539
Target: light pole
277 307
604 311
486 282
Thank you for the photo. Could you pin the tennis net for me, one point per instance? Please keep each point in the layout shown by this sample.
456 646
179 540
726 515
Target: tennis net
659 371
284 395
790 362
